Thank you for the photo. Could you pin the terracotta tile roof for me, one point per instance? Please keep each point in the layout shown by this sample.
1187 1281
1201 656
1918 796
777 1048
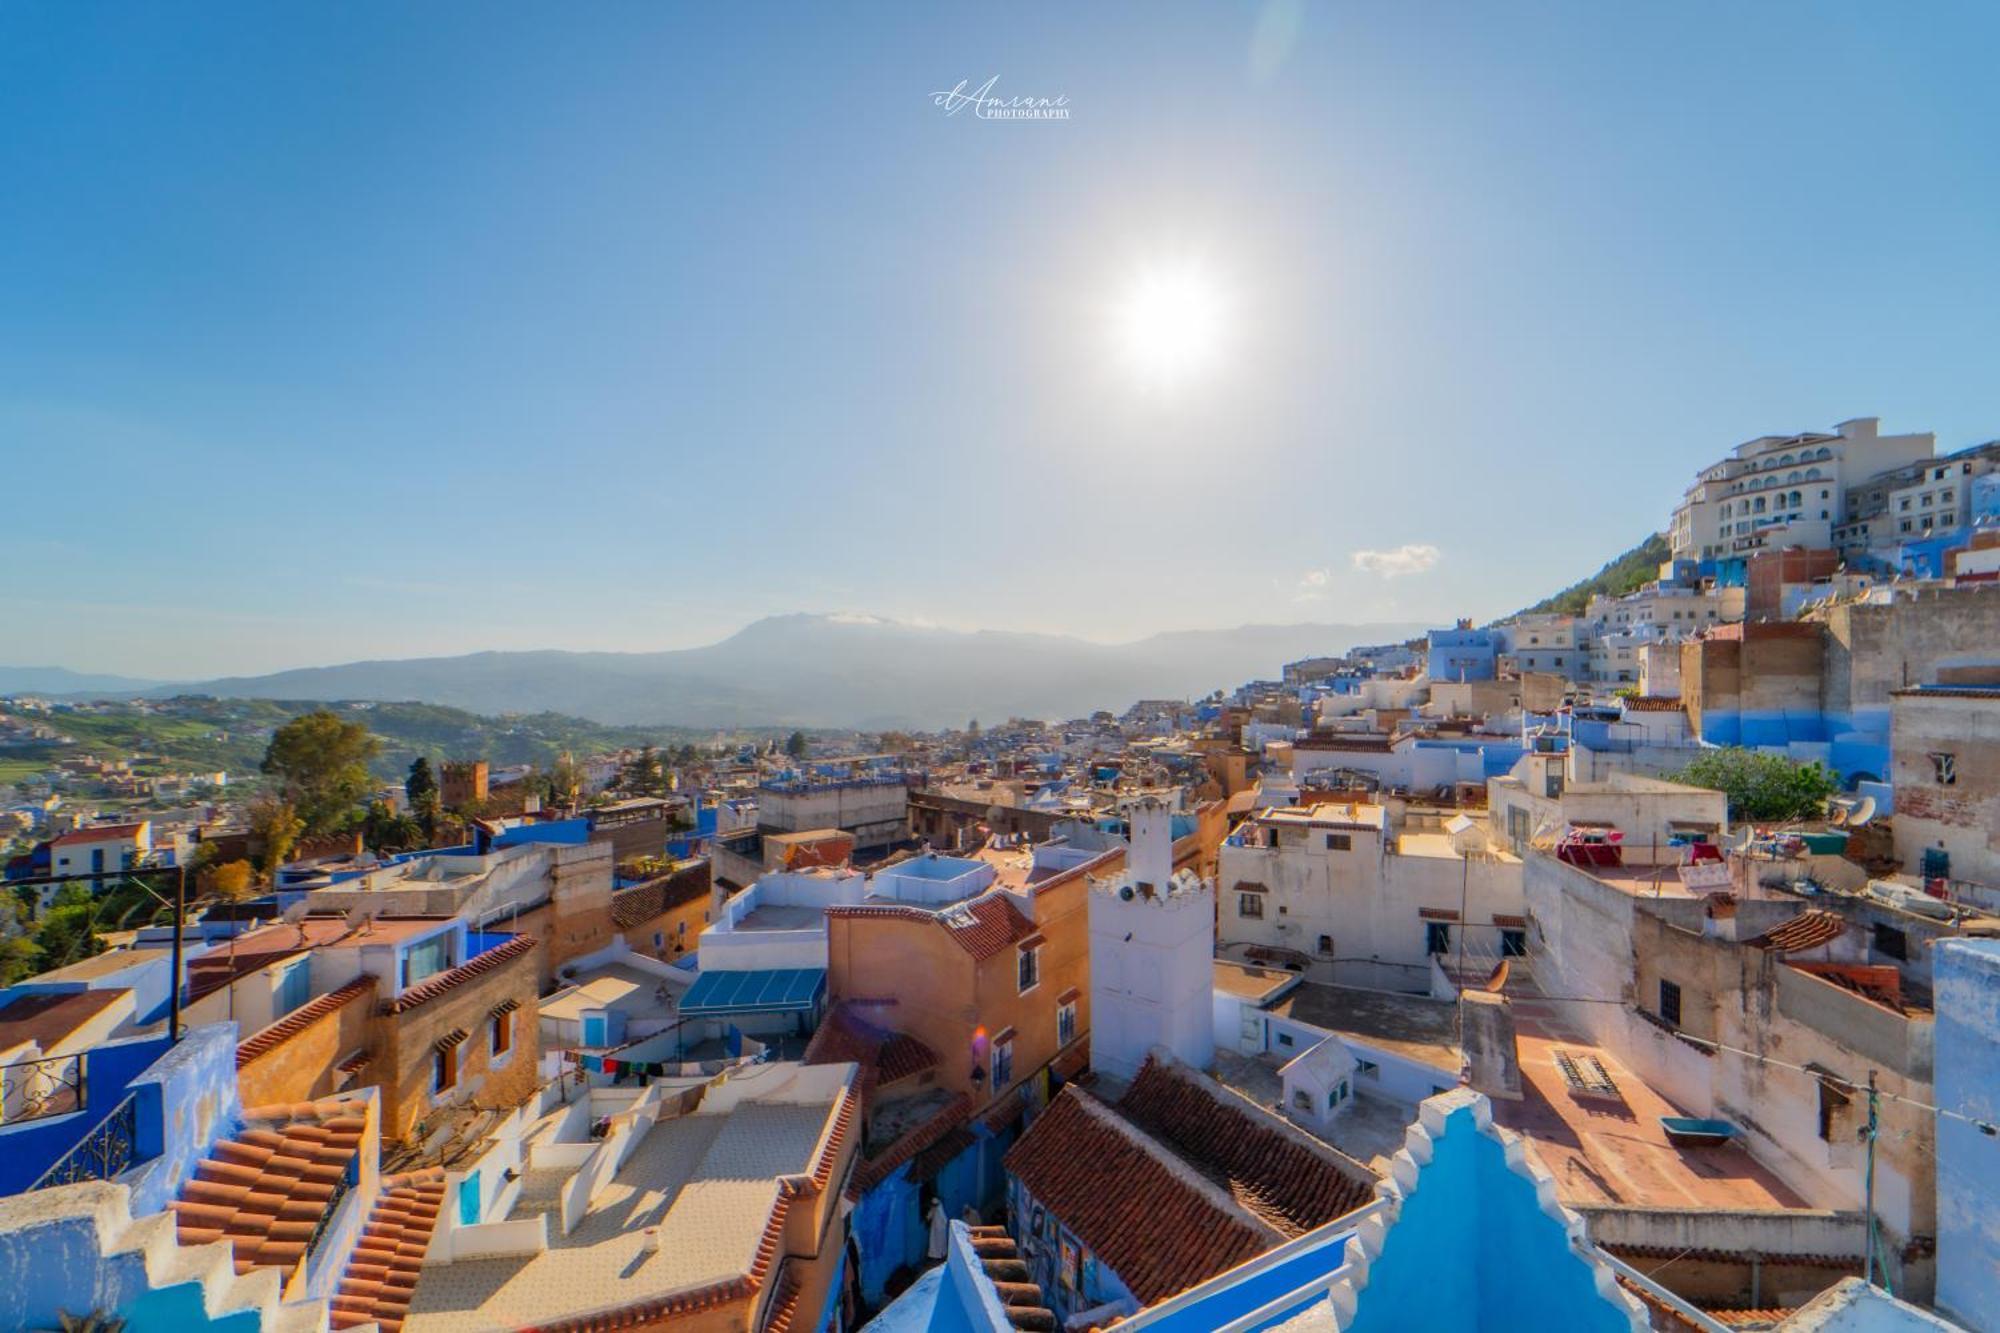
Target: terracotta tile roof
1012 1282
97 833
845 1036
1847 1262
981 927
1289 1180
267 1188
1653 703
1072 1059
1807 930
926 1164
266 1040
1749 1318
1158 1226
432 987
784 1311
642 902
382 1273
927 1134
1879 982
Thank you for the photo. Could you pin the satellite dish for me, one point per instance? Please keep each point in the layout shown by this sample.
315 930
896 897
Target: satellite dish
1853 812
359 917
296 913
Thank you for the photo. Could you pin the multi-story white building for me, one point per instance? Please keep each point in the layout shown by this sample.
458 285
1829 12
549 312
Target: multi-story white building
1552 643
1338 893
1890 507
1786 490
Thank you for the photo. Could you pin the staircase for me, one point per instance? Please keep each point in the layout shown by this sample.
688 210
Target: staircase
381 1276
1011 1279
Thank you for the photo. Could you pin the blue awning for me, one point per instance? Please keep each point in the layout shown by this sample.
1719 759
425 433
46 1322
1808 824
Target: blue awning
776 991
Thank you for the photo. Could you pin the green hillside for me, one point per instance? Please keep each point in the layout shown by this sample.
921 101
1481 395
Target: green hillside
197 733
1639 565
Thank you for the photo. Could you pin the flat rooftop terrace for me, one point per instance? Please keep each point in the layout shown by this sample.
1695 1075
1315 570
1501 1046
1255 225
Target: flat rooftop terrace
1611 1150
780 917
708 1182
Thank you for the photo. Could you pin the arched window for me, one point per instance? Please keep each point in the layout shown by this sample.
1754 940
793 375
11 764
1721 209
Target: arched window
1812 474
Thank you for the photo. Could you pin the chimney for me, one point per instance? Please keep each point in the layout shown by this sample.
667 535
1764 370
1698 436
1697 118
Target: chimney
1720 917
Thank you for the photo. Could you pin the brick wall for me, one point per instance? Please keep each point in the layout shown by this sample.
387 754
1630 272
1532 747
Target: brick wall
408 1040
296 1059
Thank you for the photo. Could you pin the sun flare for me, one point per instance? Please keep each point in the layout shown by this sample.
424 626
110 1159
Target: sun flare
1171 322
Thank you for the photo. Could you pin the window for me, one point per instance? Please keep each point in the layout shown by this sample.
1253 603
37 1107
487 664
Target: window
1250 904
1336 1095
1285 1039
1339 842
1437 937
1513 943
659 939
1890 942
1326 945
1066 1024
1367 1069
1670 1001
1302 1099
1832 1101
1003 1064
1028 969
444 1068
500 1032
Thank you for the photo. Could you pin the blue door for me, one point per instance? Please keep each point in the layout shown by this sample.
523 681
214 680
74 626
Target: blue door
468 1201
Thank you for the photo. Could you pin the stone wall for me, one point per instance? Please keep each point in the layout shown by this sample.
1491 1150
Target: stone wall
407 1039
296 1059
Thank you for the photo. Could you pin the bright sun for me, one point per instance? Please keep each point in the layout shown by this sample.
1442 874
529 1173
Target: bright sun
1171 322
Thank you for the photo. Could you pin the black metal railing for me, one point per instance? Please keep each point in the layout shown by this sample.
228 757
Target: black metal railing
101 1154
38 1089
340 1190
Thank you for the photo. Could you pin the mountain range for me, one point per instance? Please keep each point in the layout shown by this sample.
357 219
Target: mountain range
818 671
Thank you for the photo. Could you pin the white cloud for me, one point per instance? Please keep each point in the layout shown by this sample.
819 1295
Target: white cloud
1313 585
1413 558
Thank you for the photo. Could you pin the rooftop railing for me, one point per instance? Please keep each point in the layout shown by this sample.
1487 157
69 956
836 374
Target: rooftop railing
105 1152
40 1089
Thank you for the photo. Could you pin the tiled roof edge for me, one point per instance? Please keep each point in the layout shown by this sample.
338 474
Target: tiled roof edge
268 1039
432 987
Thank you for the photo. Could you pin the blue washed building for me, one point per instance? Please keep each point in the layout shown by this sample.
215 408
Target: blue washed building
1466 1234
1965 979
1463 653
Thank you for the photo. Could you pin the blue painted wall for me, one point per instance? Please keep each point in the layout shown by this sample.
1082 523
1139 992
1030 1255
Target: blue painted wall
1473 1250
1966 982
27 1150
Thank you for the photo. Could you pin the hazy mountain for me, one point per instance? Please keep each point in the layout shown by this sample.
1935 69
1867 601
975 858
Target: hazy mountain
811 670
61 680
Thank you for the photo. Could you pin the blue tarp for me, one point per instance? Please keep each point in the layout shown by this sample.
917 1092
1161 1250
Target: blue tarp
777 991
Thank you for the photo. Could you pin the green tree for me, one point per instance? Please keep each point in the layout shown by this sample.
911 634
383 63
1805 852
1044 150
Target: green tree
426 803
1763 786
277 826
68 932
644 775
18 955
795 745
386 832
321 762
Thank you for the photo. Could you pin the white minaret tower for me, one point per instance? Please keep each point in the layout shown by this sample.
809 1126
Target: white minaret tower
1152 949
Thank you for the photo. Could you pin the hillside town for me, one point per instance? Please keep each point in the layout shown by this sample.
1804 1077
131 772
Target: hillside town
1633 963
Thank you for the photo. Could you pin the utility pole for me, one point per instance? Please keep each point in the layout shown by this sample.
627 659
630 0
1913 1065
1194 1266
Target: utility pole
174 980
1868 1198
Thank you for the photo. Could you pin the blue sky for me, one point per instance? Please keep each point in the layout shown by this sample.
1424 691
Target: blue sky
336 331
